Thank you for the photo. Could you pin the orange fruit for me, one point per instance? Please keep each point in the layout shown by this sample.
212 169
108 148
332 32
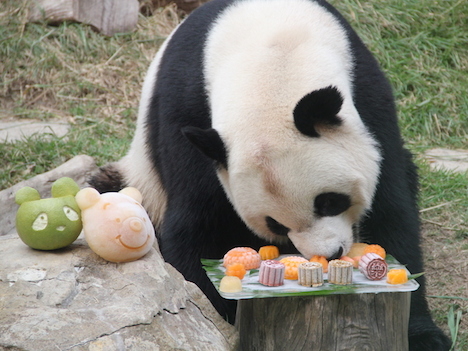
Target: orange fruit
397 276
269 252
236 270
377 249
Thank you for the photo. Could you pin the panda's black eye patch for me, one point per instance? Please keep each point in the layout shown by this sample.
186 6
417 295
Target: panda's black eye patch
331 204
276 227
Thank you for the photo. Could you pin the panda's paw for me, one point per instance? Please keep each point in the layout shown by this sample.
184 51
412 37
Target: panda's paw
108 178
429 339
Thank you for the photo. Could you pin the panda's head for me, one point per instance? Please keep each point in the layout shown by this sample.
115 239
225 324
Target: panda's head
308 173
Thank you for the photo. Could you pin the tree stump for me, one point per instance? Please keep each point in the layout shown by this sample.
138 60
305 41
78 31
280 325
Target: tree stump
106 16
360 322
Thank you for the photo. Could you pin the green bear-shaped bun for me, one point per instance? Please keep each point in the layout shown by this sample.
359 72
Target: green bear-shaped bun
26 194
49 224
64 186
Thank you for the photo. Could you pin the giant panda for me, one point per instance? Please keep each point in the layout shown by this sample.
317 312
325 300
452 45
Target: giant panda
269 121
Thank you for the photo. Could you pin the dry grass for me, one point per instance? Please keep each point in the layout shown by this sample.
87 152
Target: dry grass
447 273
51 71
71 73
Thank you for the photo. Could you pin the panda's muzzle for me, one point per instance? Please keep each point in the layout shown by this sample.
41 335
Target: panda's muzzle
336 255
276 227
327 243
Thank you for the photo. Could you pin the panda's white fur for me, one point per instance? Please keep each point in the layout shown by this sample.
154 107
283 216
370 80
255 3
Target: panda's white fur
261 58
257 68
135 167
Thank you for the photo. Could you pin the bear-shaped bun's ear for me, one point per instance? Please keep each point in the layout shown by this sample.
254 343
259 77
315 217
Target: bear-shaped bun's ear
64 186
87 197
26 194
209 142
318 109
134 193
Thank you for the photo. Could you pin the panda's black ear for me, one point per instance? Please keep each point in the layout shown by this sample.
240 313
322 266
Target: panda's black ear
318 109
209 142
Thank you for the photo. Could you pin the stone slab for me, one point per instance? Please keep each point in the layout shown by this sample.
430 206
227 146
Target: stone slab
11 131
71 299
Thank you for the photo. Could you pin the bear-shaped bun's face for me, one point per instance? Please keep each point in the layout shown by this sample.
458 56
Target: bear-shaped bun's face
52 223
116 226
310 181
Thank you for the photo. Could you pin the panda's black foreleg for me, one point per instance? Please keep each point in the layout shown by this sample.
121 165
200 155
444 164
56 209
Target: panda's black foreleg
189 265
196 228
394 224
423 333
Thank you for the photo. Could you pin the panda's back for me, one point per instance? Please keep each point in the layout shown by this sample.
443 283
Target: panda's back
183 90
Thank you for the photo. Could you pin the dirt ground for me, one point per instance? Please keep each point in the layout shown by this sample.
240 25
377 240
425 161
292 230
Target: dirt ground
446 267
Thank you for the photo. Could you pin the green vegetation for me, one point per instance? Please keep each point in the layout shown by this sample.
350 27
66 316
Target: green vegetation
423 47
70 73
73 74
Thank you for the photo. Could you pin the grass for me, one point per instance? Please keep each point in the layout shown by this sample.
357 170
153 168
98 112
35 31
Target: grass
449 191
423 47
71 73
38 154
454 323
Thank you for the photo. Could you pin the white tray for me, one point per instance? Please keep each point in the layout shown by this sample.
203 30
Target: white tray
251 288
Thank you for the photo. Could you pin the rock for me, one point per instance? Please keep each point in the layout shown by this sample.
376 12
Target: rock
106 16
445 159
79 168
18 130
71 299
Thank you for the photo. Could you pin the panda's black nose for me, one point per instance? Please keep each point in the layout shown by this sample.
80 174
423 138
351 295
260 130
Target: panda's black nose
336 255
